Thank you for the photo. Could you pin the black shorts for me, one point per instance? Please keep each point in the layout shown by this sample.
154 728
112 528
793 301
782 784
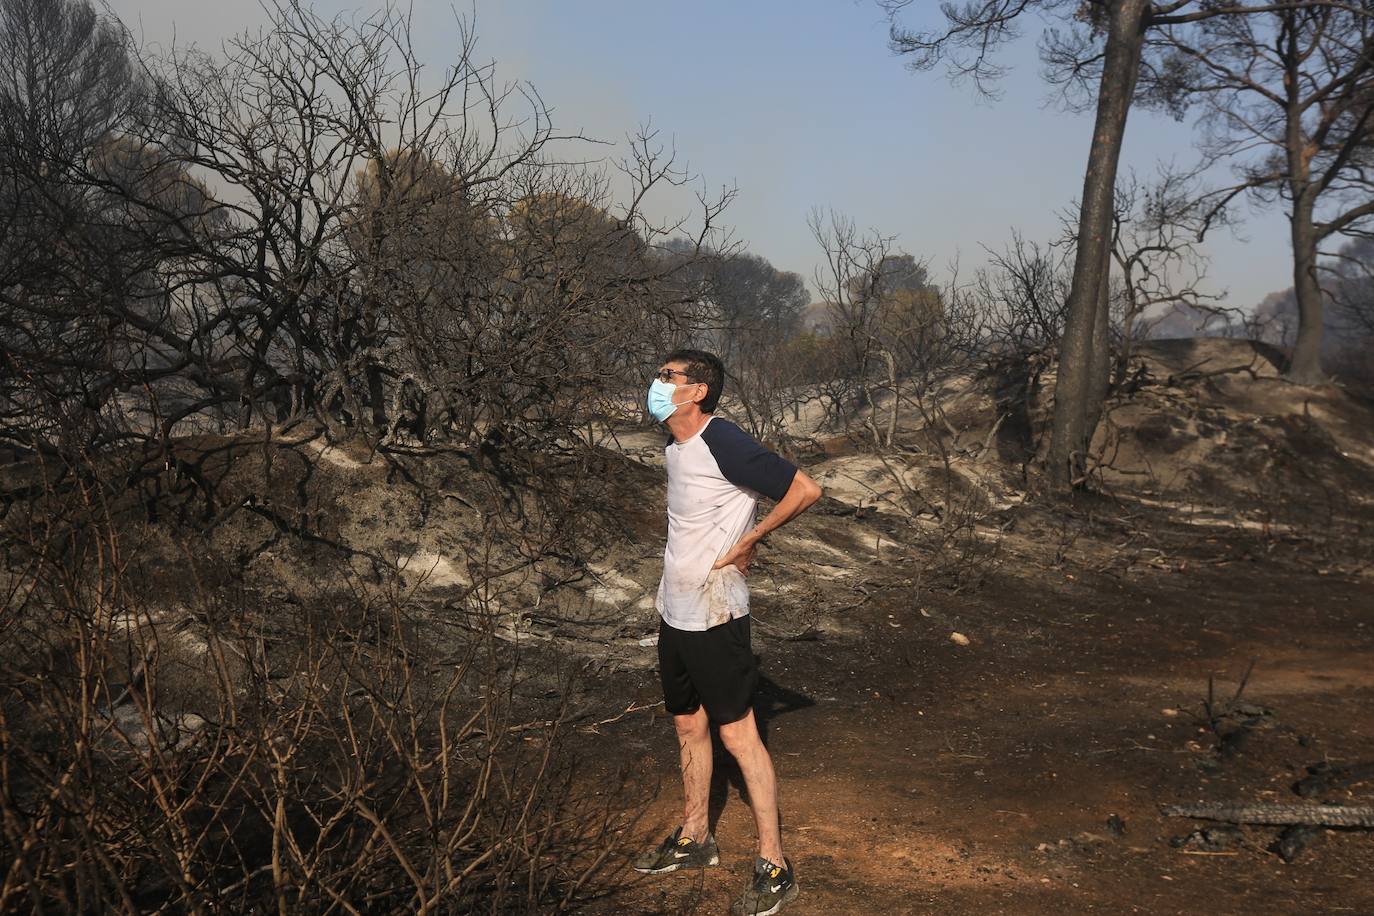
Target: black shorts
714 668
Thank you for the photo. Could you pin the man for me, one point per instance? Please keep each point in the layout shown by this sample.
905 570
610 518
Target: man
716 473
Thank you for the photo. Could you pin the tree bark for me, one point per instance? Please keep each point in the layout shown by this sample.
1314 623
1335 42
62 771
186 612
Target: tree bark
1329 815
1305 363
376 394
1100 363
1076 398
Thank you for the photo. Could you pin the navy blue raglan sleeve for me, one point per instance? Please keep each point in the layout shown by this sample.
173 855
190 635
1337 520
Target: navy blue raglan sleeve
746 463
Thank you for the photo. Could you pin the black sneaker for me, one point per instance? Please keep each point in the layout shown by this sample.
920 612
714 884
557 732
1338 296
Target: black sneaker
678 851
772 888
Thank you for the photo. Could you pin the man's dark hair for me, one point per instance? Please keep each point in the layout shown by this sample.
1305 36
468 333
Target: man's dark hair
702 367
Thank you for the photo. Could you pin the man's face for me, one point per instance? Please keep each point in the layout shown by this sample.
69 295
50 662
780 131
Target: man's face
675 373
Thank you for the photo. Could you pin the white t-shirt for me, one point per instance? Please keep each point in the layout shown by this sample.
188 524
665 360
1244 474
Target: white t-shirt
714 481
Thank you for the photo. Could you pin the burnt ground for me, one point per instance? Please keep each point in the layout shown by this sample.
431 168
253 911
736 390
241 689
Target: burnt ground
917 775
921 776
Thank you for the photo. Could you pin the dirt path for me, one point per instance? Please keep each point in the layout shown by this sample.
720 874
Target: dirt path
919 776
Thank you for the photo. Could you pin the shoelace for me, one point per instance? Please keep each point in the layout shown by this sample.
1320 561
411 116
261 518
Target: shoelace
763 880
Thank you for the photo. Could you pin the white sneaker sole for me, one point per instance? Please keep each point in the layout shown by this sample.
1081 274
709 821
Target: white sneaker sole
792 893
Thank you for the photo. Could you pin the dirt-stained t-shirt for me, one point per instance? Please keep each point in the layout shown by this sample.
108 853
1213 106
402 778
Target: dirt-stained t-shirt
714 481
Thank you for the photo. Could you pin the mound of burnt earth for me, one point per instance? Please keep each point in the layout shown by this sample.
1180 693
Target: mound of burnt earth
559 549
1207 424
1201 438
253 498
1203 426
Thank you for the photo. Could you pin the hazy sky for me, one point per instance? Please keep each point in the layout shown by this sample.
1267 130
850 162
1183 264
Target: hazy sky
801 105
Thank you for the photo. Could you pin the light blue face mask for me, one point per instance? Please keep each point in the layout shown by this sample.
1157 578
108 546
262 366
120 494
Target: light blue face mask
661 404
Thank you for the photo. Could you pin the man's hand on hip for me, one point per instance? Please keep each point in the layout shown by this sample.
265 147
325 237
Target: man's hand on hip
740 556
800 496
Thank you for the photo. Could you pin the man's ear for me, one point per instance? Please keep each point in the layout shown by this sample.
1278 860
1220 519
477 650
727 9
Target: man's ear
702 391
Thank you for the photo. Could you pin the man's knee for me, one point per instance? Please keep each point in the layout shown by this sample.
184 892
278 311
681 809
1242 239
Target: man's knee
741 736
692 725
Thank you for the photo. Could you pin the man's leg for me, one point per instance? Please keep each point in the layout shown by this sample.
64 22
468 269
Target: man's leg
742 740
694 747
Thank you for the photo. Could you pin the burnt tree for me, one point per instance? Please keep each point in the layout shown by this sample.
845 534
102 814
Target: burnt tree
1288 99
1100 51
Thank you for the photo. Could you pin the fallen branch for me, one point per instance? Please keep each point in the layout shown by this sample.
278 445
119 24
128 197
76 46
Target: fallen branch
805 634
633 707
1322 815
987 443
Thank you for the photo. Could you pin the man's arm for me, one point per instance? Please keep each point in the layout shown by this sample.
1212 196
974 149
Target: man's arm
800 496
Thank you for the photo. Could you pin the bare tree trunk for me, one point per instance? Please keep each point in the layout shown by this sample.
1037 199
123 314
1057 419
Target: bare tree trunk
1121 365
1305 364
376 393
896 398
1130 312
871 418
1100 364
1077 399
